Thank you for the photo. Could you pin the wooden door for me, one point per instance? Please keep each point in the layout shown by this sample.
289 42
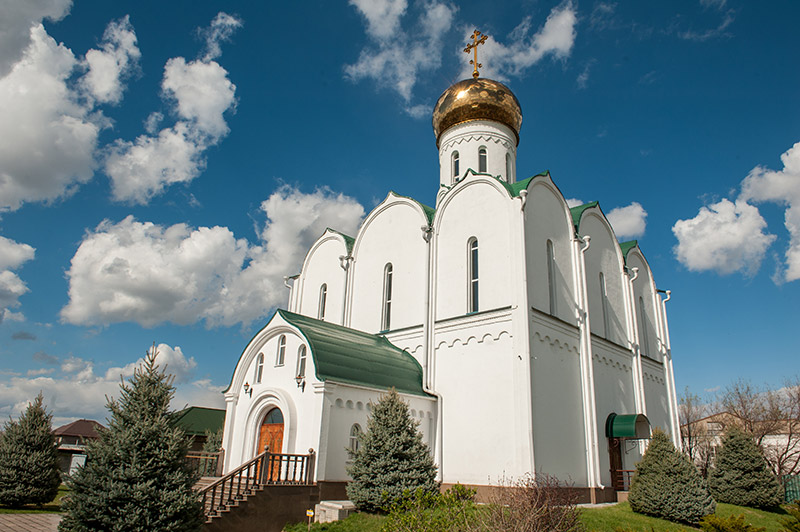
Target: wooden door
615 463
271 434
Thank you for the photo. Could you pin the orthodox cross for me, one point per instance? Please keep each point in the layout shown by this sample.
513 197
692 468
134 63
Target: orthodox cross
473 46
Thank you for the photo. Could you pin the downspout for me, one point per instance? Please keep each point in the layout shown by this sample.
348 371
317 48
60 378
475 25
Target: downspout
670 373
638 353
427 339
291 292
523 196
344 262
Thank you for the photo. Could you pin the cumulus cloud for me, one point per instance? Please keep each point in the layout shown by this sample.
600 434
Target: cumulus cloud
523 49
199 93
628 222
16 22
151 274
12 256
170 360
398 67
574 202
725 237
107 66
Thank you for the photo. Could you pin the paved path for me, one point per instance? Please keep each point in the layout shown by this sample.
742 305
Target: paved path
29 522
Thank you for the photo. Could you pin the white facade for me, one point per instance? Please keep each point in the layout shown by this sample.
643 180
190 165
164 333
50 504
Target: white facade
522 358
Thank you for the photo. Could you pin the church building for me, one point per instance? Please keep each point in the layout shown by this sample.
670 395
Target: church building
522 335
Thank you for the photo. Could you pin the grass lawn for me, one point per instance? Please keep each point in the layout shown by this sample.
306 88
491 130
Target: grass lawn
52 507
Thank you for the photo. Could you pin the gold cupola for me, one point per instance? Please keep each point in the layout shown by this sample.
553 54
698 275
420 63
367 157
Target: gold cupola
476 99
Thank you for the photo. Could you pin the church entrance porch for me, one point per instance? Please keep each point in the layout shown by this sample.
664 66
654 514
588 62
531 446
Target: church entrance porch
620 430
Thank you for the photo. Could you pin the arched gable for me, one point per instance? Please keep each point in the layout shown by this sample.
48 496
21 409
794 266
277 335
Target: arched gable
645 303
323 266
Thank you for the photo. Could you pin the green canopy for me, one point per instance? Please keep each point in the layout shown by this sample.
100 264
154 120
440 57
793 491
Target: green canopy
628 426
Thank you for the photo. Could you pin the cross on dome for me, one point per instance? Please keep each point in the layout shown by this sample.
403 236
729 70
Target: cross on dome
473 46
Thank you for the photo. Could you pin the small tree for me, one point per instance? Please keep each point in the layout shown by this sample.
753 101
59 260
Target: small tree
391 458
741 474
29 472
696 439
136 477
667 484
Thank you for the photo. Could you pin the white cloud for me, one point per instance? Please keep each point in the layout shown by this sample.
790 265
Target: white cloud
12 256
200 94
628 222
398 67
782 187
574 202
170 360
725 237
220 30
523 50
150 274
107 66
17 19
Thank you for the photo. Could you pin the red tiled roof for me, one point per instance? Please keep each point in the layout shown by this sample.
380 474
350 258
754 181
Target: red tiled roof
86 428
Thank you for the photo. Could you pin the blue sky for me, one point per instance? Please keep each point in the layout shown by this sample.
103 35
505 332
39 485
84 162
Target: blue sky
164 165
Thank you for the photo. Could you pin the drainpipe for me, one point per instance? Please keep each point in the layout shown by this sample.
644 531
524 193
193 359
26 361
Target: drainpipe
638 353
670 375
291 292
427 339
344 262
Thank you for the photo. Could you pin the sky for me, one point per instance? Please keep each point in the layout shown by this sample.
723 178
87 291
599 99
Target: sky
163 165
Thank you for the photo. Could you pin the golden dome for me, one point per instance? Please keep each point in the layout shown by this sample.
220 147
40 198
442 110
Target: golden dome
476 99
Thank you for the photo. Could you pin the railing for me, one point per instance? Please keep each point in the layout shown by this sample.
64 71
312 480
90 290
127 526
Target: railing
621 479
266 468
206 464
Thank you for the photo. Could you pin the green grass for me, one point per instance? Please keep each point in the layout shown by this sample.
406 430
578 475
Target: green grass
357 522
52 507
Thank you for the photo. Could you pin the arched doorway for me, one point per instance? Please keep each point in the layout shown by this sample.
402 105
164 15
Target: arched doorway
271 432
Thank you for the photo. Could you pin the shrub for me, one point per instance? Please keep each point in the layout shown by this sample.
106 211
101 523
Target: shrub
391 458
136 477
741 474
29 472
424 511
792 523
734 523
666 484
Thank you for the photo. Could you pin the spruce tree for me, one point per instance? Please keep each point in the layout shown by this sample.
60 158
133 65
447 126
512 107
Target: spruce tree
136 477
666 484
741 474
29 472
391 458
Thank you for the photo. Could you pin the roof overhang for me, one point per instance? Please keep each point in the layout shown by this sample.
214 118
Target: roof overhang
628 426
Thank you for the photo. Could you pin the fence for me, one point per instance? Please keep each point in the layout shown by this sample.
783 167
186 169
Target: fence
791 487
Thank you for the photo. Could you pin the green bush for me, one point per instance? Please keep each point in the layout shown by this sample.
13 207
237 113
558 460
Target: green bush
666 484
424 511
391 458
734 523
741 474
29 472
792 523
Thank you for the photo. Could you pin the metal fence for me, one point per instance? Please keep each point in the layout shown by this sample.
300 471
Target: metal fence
791 487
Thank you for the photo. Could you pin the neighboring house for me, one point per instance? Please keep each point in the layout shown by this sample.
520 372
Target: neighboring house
523 336
196 420
71 440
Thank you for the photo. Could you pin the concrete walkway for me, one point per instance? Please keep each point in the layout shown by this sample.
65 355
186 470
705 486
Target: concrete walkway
29 522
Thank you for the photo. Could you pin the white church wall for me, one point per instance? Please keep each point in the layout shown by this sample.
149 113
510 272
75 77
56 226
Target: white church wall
607 319
411 340
474 373
644 289
558 426
655 395
614 392
547 218
348 405
477 208
322 266
390 234
469 137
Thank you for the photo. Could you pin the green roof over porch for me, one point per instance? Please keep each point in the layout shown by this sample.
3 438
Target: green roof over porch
628 426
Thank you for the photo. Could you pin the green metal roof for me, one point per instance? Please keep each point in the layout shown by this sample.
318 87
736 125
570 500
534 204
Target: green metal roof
630 426
348 240
196 420
429 211
577 212
627 246
354 357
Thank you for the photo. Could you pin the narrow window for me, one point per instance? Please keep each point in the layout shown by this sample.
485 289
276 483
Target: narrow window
386 319
323 296
482 159
604 300
281 351
508 167
472 246
259 368
455 166
301 361
355 430
643 342
551 276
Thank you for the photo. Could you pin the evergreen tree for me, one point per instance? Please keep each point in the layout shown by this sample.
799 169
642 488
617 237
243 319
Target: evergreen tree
391 458
136 477
666 484
741 474
29 472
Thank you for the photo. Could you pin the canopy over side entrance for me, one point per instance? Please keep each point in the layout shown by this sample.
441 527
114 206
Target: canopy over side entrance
628 426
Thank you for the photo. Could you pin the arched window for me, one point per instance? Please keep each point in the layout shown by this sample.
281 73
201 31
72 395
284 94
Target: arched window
301 361
643 341
604 301
472 247
551 276
482 159
259 368
281 355
508 167
355 430
323 296
386 316
455 166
